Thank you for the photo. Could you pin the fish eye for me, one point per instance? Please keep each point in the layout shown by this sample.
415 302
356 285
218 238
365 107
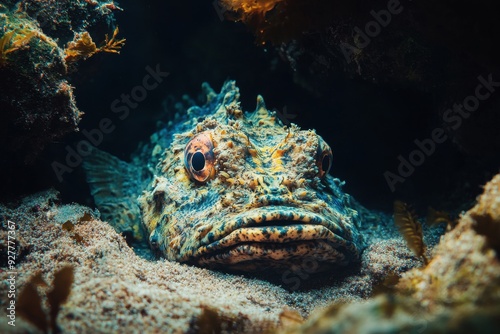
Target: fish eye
324 158
199 157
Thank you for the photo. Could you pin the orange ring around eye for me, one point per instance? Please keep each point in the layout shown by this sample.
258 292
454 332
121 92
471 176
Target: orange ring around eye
199 157
324 158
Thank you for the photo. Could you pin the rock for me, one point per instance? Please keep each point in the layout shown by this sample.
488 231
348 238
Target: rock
457 292
37 101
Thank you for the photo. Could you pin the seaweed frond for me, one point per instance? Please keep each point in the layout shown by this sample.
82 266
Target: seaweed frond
61 288
83 47
411 230
113 45
22 38
14 40
30 302
5 42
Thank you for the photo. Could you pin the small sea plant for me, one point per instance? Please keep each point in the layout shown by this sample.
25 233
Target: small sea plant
113 45
30 302
14 40
5 46
83 47
410 228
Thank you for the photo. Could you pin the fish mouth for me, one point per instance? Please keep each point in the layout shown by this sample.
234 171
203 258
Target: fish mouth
277 236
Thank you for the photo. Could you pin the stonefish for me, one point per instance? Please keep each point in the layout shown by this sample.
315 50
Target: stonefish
222 188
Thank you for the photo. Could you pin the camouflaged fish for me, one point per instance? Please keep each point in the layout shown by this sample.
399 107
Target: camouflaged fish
223 188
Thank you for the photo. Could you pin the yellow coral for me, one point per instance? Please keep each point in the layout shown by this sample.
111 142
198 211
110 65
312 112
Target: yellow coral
14 40
5 42
18 31
112 45
83 47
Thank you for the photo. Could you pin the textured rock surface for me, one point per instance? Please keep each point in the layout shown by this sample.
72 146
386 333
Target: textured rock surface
457 292
465 269
37 101
61 18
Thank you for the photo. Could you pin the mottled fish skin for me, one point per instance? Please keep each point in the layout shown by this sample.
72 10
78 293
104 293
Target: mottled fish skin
239 190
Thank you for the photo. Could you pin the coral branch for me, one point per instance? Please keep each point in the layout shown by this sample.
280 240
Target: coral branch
14 40
112 45
5 41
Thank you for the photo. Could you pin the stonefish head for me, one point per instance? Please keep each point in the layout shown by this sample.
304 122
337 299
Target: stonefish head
240 191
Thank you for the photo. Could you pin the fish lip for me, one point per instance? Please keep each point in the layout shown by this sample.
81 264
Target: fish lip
257 257
262 218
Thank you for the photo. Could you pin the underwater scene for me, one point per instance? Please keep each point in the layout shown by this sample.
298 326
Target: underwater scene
249 166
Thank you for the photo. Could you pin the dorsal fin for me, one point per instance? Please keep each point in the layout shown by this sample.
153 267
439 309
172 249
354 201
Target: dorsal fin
260 108
261 115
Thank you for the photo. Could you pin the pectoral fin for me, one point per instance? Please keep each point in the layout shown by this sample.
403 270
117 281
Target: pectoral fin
115 186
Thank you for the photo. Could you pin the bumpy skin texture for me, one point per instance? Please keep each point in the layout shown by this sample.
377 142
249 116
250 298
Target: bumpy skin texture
241 191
